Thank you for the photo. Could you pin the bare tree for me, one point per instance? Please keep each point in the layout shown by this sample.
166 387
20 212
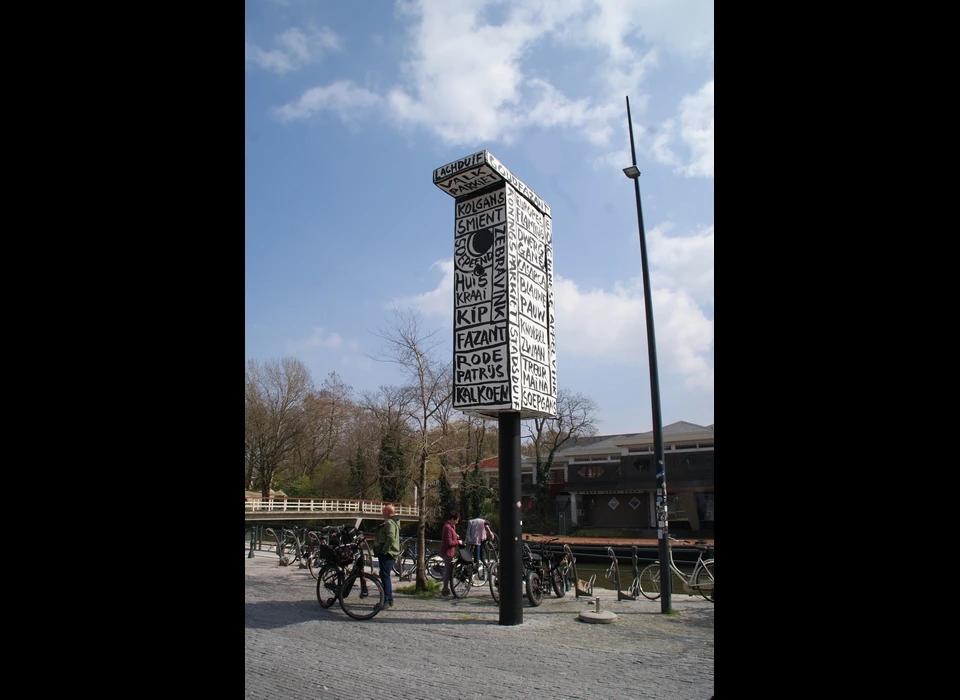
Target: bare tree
359 454
326 420
413 350
576 414
391 407
274 418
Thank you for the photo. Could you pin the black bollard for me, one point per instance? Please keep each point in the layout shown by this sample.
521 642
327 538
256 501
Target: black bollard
253 537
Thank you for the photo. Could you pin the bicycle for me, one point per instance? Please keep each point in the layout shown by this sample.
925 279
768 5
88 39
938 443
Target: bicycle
700 580
529 577
489 554
314 553
300 544
549 569
345 578
464 570
407 561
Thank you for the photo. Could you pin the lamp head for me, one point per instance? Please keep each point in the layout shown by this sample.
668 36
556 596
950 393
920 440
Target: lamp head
632 171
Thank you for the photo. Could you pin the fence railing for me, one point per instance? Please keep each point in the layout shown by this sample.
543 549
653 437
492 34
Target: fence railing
324 505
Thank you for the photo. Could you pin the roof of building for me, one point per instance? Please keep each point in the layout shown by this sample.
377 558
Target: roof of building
614 444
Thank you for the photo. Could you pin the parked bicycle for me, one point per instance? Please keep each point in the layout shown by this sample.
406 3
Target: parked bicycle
489 551
305 548
406 564
529 577
700 580
464 571
345 578
541 567
552 569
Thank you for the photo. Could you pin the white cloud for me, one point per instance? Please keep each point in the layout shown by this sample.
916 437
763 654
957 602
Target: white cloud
659 144
609 326
683 262
696 130
324 347
439 300
469 79
464 77
317 339
296 49
342 97
693 128
471 75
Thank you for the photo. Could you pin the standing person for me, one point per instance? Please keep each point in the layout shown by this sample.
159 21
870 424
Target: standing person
449 541
386 546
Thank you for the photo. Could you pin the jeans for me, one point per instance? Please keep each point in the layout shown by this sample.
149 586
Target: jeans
447 573
386 568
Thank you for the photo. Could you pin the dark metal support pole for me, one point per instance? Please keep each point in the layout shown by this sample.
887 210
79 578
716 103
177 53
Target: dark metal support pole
511 563
253 539
663 532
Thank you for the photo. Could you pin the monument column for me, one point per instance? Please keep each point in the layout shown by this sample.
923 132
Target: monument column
504 338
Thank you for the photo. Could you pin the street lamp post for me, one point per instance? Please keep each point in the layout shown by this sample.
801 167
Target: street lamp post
663 532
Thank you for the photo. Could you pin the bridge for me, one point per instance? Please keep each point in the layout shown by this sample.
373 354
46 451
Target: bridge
275 509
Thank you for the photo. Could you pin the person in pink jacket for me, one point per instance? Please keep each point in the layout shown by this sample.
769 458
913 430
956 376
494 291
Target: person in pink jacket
449 541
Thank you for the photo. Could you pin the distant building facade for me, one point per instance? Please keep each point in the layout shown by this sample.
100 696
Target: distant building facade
609 481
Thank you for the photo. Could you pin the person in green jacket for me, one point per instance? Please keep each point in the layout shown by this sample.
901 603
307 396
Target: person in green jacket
386 547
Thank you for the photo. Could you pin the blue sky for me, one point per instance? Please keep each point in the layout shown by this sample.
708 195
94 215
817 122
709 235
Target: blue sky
349 107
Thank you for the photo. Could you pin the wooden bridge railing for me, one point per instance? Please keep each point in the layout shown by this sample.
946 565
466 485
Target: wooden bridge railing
322 506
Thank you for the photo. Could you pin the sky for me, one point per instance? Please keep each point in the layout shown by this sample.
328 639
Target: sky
349 108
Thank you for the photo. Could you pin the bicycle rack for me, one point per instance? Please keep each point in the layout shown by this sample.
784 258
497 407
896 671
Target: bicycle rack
615 570
583 588
283 562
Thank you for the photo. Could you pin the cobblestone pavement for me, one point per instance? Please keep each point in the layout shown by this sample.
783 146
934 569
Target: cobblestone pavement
455 648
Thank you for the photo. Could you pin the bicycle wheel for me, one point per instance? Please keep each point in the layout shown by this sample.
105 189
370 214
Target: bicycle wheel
314 562
494 580
556 582
462 580
649 582
435 567
329 582
287 551
488 553
534 589
362 595
480 573
704 581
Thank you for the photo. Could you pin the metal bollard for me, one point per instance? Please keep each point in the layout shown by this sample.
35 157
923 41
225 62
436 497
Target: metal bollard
253 537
